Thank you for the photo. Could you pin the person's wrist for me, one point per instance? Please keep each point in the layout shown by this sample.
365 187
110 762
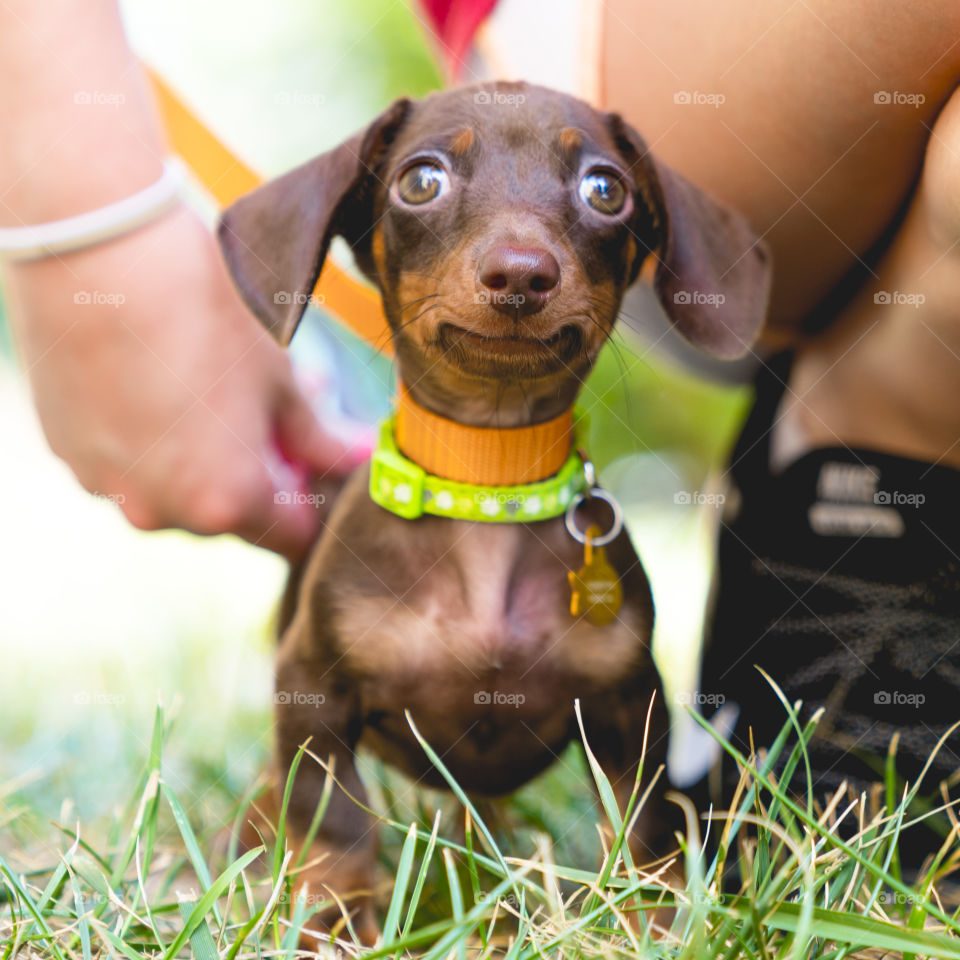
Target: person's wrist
90 291
96 226
48 196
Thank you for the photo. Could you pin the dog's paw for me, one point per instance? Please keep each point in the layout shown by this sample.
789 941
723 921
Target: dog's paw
342 883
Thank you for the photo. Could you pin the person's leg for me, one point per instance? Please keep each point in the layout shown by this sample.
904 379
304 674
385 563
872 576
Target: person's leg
840 569
799 143
885 374
840 573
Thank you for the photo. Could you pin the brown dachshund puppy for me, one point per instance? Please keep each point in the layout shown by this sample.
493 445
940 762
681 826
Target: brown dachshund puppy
502 225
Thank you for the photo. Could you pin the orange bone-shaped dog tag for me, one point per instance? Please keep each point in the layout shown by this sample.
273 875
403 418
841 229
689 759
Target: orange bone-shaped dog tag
595 591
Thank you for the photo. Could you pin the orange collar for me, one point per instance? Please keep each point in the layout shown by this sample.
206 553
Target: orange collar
486 456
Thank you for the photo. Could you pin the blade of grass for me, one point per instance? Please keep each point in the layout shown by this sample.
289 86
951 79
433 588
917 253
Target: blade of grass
55 883
204 904
472 870
263 916
109 937
243 933
201 940
834 841
83 924
460 795
280 849
458 931
890 792
148 799
608 801
292 936
456 900
693 917
75 836
795 723
125 858
732 828
607 797
141 892
404 870
28 902
421 876
471 862
319 813
855 929
522 930
189 838
776 812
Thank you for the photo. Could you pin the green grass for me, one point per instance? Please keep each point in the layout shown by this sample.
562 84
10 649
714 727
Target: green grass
457 882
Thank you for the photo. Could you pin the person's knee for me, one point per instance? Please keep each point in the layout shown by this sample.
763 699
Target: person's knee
940 182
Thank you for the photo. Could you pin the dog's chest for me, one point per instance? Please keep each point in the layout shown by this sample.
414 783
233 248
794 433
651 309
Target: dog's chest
481 606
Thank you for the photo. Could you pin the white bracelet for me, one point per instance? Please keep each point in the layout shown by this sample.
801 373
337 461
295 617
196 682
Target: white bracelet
87 229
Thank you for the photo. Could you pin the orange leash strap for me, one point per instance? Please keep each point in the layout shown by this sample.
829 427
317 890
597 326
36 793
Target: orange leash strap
226 177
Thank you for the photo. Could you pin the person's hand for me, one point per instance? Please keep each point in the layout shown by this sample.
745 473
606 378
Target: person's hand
158 388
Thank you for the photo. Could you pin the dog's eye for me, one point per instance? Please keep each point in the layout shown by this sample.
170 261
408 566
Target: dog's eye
604 191
422 182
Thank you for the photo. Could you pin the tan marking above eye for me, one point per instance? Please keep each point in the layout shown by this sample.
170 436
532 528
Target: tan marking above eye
462 141
570 142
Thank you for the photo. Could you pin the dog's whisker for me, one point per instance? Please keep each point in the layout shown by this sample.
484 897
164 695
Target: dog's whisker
382 342
429 296
390 332
384 339
425 276
422 313
611 337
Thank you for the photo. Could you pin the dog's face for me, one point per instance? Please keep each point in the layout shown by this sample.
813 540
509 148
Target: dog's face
506 230
502 224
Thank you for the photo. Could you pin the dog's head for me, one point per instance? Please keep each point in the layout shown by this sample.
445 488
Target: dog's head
502 224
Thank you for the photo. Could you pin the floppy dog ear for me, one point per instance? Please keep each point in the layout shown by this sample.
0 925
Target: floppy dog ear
275 238
712 275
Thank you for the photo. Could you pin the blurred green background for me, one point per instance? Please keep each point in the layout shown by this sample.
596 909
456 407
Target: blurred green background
98 620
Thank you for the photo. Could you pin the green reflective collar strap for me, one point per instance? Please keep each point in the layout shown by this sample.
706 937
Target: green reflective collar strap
403 487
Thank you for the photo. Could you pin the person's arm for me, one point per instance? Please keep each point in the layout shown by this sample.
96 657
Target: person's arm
151 379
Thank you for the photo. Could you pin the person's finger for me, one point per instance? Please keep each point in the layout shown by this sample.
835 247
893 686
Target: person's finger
278 514
232 487
289 529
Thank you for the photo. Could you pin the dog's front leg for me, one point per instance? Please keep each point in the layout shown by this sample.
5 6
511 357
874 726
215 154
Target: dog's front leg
311 703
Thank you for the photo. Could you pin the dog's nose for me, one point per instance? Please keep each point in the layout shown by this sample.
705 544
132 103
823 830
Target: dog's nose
518 281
